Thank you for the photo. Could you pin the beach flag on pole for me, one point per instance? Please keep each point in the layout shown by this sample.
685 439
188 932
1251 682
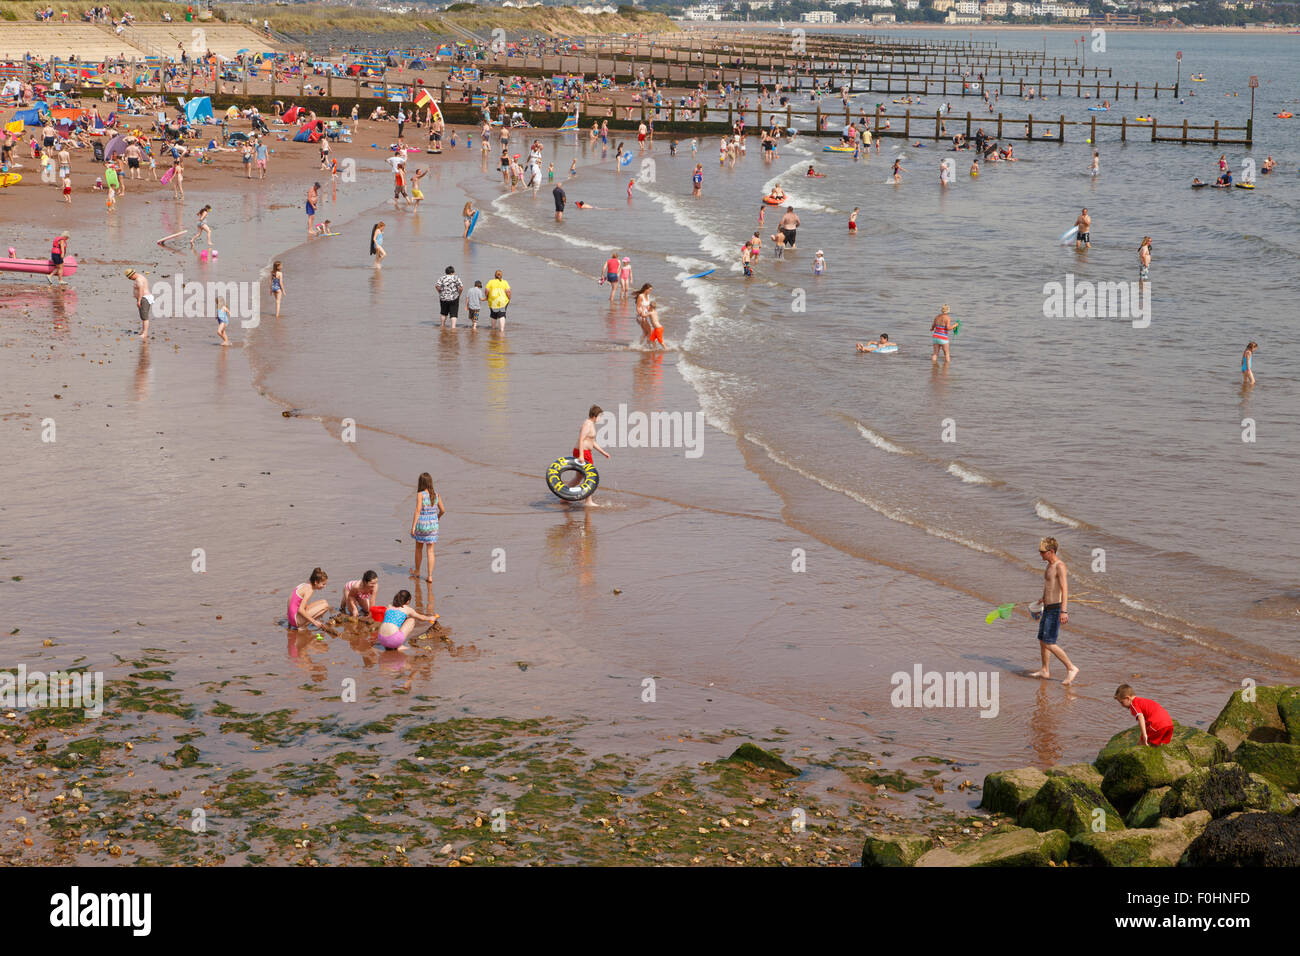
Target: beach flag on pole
426 99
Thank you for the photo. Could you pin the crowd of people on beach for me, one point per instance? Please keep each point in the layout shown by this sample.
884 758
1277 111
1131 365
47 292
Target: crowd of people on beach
159 138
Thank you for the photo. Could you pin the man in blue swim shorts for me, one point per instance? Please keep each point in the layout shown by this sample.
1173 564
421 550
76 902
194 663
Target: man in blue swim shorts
1056 596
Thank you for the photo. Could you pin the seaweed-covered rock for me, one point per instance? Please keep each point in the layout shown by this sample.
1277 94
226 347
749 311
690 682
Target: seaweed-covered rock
1133 772
1146 812
1005 790
1247 839
1005 848
889 849
1279 763
1288 708
1205 749
1256 719
1222 789
1162 845
1063 803
1085 772
763 759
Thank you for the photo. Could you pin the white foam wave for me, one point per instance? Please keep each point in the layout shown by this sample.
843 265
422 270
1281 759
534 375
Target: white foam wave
709 391
968 474
1048 513
499 204
880 441
789 172
876 506
1135 605
710 242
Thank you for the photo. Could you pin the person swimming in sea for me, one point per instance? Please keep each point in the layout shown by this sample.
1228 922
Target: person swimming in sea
777 195
876 344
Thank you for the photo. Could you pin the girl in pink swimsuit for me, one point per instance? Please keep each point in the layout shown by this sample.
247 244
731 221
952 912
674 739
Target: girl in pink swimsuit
302 609
358 595
625 277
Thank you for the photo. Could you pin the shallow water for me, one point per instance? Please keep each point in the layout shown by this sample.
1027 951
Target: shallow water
1105 435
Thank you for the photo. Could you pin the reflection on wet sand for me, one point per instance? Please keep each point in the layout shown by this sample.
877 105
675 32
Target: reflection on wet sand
143 373
648 380
311 649
571 546
1045 736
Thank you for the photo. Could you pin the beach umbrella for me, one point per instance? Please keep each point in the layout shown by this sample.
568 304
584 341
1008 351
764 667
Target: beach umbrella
116 146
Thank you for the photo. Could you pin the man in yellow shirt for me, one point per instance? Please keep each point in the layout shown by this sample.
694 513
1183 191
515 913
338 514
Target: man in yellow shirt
498 297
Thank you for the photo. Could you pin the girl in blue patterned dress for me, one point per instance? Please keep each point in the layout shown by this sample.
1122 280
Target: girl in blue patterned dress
424 524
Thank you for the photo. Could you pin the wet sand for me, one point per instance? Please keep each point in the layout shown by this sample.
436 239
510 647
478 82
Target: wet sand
181 445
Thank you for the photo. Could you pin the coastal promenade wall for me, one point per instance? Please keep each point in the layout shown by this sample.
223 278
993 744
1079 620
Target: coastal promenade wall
91 43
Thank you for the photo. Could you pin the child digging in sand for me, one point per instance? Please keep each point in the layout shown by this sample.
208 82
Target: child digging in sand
1155 726
360 594
399 620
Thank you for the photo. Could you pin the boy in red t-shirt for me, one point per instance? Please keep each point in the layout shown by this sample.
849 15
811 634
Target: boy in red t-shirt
1154 722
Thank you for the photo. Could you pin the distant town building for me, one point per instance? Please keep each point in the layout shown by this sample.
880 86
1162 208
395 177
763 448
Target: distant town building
961 18
703 11
819 16
940 6
994 8
883 18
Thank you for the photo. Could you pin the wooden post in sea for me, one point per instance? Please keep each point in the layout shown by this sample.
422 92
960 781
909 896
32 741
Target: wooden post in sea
1123 130
999 126
1216 132
1092 135
1060 135
907 123
968 118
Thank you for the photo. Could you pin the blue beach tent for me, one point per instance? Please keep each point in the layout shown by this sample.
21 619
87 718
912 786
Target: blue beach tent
32 116
199 110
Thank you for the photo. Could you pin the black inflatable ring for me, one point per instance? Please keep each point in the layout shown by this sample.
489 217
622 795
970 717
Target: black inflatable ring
572 467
